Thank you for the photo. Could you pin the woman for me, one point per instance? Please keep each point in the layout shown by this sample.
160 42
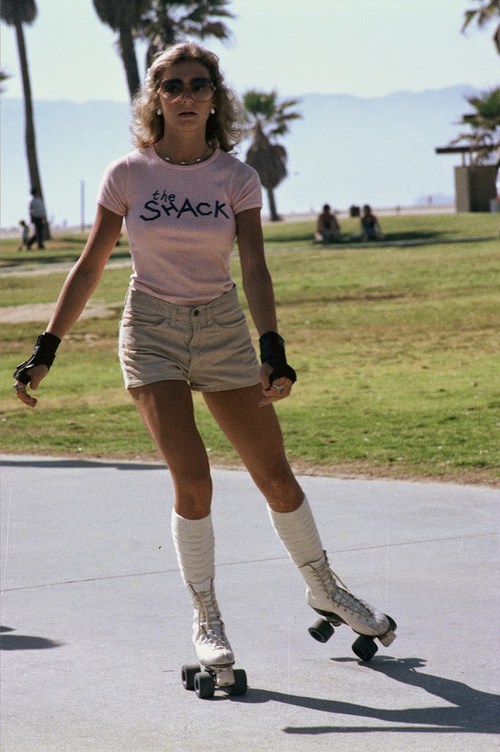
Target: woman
185 200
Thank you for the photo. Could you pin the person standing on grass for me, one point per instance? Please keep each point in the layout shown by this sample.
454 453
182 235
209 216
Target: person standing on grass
38 218
25 235
185 200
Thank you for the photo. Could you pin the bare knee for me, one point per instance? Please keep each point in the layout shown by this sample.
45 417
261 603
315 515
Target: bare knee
193 494
281 489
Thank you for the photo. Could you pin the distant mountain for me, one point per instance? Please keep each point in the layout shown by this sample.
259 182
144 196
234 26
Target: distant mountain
344 150
74 141
380 151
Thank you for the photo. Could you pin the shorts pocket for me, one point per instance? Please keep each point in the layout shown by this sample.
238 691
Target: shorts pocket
229 319
142 319
141 310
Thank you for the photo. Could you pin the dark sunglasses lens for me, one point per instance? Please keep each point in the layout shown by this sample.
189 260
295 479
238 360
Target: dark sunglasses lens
172 88
201 86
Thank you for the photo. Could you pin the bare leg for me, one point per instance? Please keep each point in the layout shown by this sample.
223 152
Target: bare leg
256 435
167 410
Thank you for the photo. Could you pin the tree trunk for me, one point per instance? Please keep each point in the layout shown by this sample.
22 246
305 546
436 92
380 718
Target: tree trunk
273 214
129 58
30 140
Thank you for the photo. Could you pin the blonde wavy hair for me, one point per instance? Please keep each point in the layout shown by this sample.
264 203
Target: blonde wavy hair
224 127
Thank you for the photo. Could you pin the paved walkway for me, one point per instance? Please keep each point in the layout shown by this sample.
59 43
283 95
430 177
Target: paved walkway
96 622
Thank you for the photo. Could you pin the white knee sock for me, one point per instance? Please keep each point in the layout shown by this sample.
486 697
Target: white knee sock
194 545
298 532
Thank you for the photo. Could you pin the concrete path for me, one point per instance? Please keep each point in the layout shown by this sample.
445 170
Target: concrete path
96 623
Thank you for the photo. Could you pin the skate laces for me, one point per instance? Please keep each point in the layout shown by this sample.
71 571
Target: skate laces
338 590
327 578
351 603
210 622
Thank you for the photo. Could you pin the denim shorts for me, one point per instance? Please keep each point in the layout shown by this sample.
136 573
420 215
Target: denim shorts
209 346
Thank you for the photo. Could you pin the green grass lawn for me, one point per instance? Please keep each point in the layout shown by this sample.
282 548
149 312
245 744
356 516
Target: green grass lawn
396 347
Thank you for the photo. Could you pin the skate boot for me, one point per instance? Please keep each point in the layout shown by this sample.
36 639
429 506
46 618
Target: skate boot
331 598
212 648
209 638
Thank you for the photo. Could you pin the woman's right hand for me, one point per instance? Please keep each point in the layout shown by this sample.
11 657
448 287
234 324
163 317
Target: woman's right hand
36 374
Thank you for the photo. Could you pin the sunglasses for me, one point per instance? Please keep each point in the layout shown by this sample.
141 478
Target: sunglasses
199 89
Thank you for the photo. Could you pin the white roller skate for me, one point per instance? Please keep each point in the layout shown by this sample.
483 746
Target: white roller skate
330 598
212 648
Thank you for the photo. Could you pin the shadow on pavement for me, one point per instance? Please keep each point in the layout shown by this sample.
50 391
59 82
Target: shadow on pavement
470 710
25 642
79 464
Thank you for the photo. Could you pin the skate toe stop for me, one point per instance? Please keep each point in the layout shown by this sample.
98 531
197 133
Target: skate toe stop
388 638
225 677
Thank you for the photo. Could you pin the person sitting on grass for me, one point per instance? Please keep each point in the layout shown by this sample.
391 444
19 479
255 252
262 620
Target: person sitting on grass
370 228
327 228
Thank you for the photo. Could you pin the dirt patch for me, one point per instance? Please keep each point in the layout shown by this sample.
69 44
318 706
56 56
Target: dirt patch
43 311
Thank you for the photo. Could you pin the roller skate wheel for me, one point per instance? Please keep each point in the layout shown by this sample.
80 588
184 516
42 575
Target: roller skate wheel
240 682
321 630
204 685
188 674
364 647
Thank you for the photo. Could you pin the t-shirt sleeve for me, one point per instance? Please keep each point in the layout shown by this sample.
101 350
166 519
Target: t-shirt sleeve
113 188
247 191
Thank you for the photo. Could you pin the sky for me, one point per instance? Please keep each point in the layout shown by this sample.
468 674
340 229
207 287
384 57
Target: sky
360 47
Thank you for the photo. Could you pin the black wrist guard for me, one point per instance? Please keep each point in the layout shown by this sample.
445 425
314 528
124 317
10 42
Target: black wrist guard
43 355
272 352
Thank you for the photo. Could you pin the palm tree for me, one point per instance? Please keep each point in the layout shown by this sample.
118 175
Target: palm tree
484 137
269 119
124 16
16 13
486 11
169 21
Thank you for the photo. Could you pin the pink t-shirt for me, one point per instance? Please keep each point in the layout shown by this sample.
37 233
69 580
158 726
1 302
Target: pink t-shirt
180 220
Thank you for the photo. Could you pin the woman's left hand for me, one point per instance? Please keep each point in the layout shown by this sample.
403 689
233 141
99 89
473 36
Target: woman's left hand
278 390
